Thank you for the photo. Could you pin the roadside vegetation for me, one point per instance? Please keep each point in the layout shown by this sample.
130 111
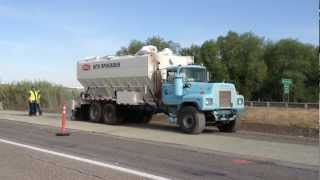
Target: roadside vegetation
15 95
289 121
254 64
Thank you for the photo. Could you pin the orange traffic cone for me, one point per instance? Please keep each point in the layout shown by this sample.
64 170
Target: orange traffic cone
63 130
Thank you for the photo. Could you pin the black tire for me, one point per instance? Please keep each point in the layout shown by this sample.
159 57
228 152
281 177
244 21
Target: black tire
144 118
231 126
110 114
76 115
147 118
81 113
95 112
137 116
191 121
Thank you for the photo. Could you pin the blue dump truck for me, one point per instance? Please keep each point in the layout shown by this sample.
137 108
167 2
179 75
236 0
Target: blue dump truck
133 88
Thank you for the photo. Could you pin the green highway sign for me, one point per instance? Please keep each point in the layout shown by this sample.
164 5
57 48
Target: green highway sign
286 81
286 85
286 90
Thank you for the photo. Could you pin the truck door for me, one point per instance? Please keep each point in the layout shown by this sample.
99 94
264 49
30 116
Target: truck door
168 95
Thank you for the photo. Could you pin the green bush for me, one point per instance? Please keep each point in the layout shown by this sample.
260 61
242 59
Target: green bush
15 95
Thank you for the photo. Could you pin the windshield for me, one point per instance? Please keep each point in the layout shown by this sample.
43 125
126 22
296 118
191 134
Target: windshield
194 74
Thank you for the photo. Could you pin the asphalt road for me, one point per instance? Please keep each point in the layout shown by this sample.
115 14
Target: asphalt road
299 150
158 159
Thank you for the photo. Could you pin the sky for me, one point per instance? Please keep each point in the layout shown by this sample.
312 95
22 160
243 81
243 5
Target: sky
43 40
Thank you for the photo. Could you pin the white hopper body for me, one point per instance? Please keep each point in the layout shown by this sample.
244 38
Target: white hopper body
104 76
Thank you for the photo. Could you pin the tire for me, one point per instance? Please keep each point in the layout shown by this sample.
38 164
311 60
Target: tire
147 118
95 112
144 118
110 115
232 126
76 114
138 116
191 121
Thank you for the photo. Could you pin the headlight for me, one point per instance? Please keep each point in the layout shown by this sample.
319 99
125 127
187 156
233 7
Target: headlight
208 101
240 101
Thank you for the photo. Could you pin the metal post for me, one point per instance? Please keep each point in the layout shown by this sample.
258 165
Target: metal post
286 104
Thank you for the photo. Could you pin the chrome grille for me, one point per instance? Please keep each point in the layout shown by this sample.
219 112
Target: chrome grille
225 98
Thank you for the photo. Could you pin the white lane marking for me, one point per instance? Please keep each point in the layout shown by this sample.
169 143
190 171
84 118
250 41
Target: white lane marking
118 168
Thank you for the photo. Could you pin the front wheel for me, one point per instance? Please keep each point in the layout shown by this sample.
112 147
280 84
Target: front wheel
191 121
231 126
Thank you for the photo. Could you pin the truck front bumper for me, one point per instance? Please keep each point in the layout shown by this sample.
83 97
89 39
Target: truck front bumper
225 114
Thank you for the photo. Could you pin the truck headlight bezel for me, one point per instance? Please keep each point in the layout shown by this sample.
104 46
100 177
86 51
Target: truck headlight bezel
208 101
240 101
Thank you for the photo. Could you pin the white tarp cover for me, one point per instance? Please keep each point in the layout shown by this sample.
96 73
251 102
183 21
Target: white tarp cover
147 50
166 51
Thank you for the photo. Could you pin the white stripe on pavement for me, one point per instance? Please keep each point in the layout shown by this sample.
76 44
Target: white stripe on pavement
68 156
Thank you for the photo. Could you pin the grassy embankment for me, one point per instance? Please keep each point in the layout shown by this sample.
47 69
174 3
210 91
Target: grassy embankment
14 96
295 121
299 117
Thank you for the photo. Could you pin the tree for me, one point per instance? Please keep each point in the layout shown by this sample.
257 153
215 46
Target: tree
243 56
160 43
254 65
135 45
292 59
313 75
210 58
193 50
133 48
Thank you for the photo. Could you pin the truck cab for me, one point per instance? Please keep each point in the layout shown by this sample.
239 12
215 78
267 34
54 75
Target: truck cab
193 102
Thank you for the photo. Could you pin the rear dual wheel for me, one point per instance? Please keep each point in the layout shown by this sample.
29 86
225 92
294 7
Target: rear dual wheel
111 115
95 112
106 113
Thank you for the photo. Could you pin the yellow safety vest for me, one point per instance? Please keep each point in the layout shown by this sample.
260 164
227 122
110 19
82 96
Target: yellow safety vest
33 95
38 96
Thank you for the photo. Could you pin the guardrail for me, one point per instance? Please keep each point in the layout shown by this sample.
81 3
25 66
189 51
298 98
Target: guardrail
282 104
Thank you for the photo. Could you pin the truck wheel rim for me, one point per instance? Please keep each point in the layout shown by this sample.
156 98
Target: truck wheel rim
188 121
108 113
94 113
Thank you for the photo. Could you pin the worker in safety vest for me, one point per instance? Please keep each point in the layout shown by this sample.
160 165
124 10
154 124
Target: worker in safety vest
32 101
38 107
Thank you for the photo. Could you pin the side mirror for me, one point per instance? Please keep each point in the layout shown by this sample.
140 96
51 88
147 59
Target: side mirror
178 85
187 85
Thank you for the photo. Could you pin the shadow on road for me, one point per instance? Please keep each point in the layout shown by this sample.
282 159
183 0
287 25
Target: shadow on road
162 126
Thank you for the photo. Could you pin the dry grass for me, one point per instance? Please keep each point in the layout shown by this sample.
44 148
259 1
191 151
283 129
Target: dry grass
283 117
291 117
